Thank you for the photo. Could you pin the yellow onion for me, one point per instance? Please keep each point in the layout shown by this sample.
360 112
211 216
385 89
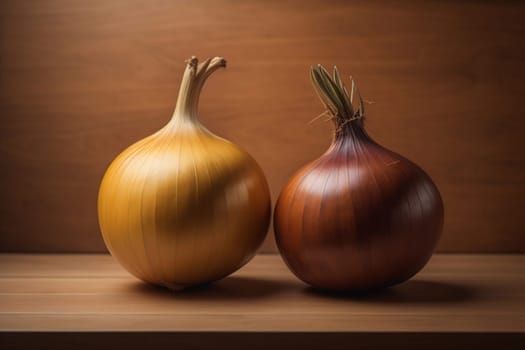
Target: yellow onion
184 206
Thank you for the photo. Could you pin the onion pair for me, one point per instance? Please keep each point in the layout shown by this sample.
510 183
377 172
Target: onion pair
184 206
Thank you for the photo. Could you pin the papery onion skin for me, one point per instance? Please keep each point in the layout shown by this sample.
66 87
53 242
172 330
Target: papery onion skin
360 217
184 207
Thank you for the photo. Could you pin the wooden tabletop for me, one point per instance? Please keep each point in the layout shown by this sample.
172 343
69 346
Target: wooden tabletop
471 295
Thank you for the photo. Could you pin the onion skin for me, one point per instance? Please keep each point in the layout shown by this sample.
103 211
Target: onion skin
183 206
359 218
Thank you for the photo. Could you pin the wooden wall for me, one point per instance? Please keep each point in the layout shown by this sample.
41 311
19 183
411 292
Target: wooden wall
81 80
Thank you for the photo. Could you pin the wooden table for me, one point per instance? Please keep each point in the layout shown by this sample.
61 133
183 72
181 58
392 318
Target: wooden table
89 301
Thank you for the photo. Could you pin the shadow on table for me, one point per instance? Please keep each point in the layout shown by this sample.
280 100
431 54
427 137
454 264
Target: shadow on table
411 291
232 287
242 287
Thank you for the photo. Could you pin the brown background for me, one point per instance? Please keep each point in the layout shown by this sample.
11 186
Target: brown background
81 80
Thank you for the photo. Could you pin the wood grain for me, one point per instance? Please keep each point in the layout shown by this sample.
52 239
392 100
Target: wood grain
92 293
80 81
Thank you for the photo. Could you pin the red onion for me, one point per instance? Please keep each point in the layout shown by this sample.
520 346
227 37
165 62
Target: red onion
361 216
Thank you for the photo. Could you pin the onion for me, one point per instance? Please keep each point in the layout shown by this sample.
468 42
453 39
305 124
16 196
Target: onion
184 206
360 217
